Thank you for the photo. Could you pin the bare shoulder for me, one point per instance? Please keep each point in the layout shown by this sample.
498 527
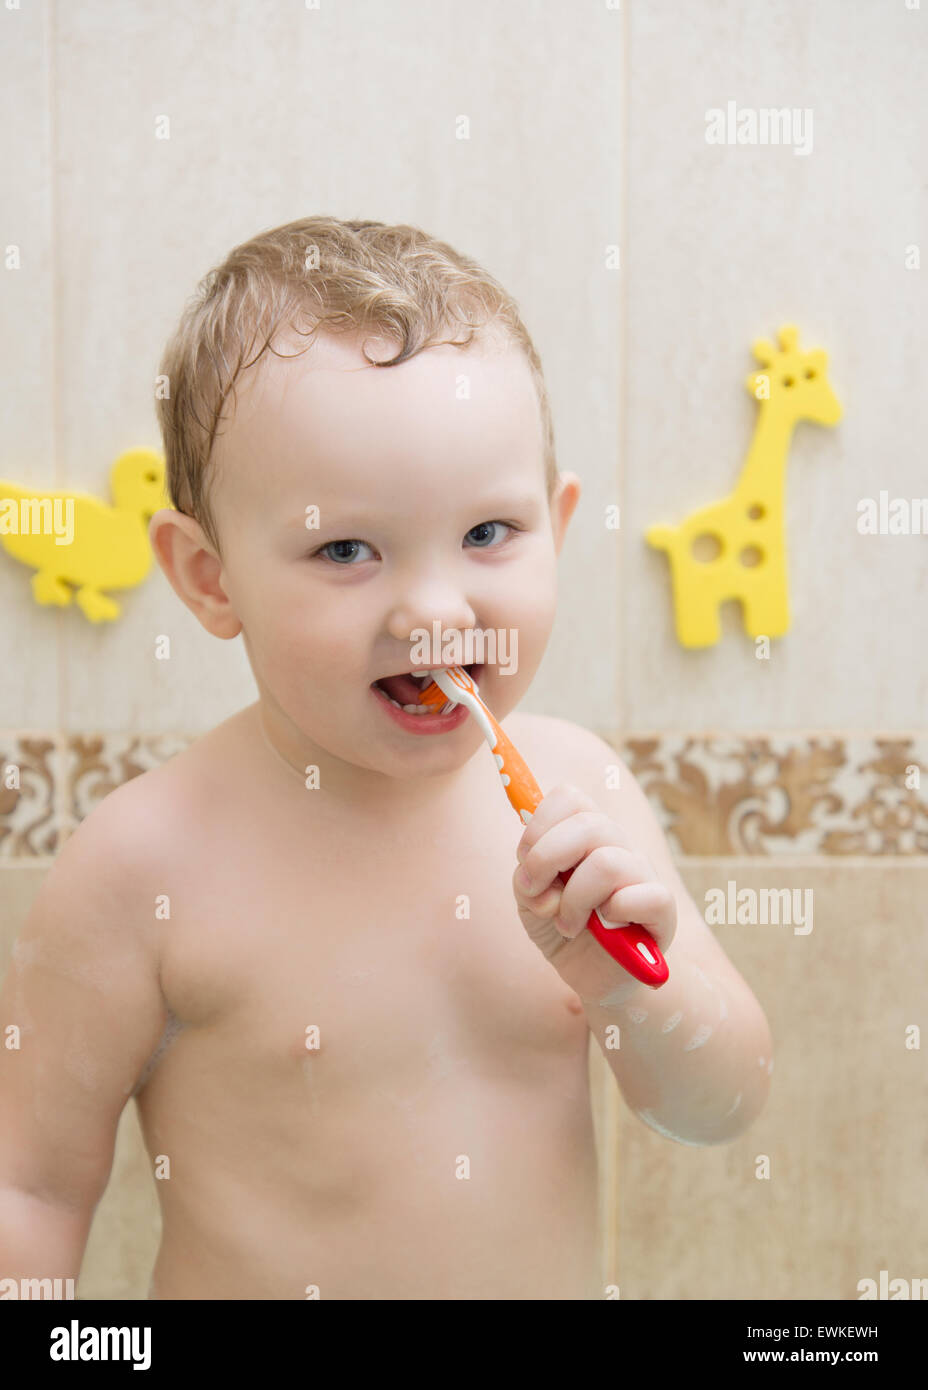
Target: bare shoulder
134 820
108 862
122 845
167 802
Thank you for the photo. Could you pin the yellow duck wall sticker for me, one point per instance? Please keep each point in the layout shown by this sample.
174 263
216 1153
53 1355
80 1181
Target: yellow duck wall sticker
736 548
80 546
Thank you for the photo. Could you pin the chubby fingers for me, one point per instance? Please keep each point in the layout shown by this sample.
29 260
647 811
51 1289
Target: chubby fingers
543 905
537 913
643 899
624 886
544 853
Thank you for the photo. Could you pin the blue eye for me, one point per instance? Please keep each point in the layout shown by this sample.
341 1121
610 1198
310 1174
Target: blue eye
345 553
484 526
342 560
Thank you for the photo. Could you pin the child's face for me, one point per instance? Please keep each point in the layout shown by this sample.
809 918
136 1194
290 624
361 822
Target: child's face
405 463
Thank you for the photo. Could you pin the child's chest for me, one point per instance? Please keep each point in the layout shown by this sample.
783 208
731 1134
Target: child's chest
403 961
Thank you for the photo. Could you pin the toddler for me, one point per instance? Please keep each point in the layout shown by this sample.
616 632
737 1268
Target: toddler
345 988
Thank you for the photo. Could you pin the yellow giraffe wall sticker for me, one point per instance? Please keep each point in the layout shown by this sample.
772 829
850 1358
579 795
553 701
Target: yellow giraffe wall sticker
79 545
736 548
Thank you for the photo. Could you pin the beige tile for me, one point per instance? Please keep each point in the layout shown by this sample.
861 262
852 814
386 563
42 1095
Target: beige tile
726 243
845 1123
29 454
126 1230
18 888
606 1104
114 683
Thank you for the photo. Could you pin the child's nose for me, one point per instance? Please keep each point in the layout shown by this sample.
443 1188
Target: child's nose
449 608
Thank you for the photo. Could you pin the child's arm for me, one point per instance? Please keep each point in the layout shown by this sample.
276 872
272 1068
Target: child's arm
694 1057
83 991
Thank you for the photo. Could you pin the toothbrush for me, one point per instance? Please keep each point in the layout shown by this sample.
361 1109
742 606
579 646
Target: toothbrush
632 947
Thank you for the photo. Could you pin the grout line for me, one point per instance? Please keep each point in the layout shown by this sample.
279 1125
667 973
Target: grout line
105 733
777 733
615 1167
56 277
743 734
28 861
611 1140
812 861
809 861
623 393
756 861
60 471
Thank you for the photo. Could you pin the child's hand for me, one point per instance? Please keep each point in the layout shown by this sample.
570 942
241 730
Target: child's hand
568 829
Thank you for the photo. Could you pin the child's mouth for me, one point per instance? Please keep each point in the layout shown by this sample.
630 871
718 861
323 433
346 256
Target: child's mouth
400 696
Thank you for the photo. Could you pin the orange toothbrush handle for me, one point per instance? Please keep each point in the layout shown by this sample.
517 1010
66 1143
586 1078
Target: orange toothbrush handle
519 785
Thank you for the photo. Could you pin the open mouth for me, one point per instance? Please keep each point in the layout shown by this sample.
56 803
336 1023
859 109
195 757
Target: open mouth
404 690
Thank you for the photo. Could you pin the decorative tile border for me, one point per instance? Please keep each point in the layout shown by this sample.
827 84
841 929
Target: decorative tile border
99 763
714 795
786 793
60 783
31 775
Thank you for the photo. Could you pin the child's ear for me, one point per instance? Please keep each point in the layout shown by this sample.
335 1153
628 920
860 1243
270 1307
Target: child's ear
564 499
194 570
